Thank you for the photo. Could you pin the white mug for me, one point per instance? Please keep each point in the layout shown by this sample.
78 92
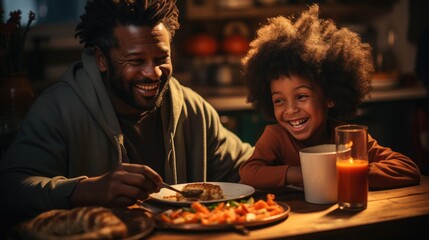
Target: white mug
318 164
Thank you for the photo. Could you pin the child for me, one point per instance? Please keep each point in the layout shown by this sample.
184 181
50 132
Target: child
305 73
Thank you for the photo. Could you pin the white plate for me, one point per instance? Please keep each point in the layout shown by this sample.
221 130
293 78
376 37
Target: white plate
231 191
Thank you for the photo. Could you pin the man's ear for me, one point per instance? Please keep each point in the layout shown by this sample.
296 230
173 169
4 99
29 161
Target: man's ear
330 103
101 59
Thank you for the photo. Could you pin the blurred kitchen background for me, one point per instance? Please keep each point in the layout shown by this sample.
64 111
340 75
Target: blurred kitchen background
214 36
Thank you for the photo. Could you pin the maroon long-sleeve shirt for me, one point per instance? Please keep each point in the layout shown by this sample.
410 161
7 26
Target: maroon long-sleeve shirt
276 150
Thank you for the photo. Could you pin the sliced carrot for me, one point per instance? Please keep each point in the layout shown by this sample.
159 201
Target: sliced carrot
240 210
176 213
198 207
276 211
166 219
241 219
226 213
260 204
219 207
270 199
215 218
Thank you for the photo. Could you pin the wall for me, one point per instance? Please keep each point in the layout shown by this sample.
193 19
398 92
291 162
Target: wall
63 38
398 19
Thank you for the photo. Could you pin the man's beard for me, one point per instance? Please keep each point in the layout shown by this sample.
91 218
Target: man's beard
161 95
156 101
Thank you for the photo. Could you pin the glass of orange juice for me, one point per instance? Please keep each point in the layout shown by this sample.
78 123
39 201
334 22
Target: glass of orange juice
352 166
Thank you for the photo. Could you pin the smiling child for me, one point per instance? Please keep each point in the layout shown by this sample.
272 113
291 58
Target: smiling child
307 75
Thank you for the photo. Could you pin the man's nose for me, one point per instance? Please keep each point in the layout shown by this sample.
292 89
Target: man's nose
151 71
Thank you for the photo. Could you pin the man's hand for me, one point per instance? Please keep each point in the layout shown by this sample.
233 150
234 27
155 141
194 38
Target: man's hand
120 187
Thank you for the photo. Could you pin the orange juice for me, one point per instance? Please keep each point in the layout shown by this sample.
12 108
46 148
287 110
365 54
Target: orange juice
352 183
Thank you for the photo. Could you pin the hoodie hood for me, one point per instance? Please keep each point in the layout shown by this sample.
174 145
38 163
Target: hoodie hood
85 80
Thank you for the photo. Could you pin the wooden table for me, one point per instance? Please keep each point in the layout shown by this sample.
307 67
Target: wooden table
401 213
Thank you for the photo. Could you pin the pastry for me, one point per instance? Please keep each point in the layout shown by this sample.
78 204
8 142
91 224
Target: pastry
77 223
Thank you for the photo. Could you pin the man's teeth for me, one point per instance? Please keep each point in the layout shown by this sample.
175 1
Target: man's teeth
147 87
298 123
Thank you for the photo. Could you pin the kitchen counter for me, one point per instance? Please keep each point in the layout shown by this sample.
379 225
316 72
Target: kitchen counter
234 98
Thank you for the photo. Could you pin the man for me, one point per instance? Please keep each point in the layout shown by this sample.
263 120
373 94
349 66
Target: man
117 123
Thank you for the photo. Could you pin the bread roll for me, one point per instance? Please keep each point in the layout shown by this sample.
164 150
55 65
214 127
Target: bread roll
77 223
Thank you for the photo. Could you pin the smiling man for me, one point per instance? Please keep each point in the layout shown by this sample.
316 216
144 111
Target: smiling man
138 68
118 123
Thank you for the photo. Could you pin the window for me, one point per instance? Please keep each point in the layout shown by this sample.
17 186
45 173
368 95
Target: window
47 11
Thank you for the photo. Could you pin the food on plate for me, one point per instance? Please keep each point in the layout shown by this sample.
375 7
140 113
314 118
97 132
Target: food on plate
224 212
210 192
77 223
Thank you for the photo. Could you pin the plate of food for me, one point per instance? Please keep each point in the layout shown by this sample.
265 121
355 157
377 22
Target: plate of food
212 192
88 223
224 215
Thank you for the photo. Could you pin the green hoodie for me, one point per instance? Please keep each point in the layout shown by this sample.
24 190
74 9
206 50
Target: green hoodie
72 132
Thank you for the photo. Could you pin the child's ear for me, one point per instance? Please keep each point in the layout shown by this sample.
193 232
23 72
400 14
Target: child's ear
330 103
100 58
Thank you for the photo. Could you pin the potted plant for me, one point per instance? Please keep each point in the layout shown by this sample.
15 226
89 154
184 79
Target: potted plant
16 93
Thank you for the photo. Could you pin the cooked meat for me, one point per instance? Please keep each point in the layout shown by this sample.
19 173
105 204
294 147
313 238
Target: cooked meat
210 192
